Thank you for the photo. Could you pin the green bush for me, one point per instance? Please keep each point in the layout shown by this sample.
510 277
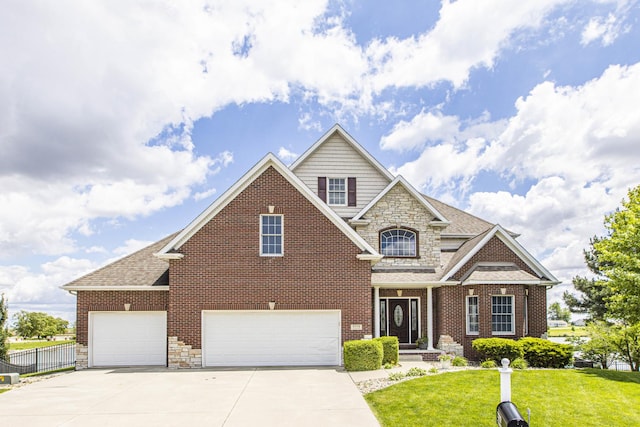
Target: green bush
459 361
519 363
396 376
541 353
416 372
498 348
362 355
390 349
488 364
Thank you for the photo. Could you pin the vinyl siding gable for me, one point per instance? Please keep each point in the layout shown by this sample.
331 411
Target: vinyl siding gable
336 158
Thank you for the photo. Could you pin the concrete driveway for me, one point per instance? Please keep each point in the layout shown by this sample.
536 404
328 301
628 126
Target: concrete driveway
159 397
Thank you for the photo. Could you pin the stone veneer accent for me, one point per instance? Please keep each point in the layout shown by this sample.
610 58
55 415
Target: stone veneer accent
182 356
448 345
82 357
398 208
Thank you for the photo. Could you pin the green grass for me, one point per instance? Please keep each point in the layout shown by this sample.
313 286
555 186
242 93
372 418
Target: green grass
2 390
27 345
39 374
569 331
589 397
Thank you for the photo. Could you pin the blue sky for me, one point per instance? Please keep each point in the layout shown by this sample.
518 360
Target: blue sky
121 122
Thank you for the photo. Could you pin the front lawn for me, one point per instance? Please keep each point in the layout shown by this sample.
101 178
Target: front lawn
590 397
569 331
27 345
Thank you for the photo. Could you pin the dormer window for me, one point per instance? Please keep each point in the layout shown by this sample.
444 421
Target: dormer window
399 242
337 191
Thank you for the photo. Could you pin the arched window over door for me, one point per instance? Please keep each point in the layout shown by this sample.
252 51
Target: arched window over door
399 242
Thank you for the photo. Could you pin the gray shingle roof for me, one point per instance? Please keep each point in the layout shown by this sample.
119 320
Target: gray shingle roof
139 269
461 222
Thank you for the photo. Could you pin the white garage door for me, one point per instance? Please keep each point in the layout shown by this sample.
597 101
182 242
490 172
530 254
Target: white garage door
271 338
128 338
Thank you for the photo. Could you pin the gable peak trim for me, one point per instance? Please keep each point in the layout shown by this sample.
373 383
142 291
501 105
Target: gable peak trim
499 232
351 141
270 160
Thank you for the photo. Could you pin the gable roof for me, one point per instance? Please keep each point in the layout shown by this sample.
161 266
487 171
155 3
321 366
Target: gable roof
399 180
471 247
137 271
270 160
498 273
349 139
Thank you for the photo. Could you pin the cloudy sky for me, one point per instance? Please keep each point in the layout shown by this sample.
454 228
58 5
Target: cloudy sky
120 121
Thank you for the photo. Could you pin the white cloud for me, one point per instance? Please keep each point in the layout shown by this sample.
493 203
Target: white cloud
307 122
599 27
130 246
609 28
579 147
39 290
459 42
286 155
204 194
424 127
133 73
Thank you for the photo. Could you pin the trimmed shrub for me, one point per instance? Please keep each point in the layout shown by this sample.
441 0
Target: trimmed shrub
497 348
459 361
390 349
541 353
488 364
362 355
519 363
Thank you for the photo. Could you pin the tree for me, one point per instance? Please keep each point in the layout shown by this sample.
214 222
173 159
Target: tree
626 339
4 331
593 293
618 256
600 347
37 324
557 312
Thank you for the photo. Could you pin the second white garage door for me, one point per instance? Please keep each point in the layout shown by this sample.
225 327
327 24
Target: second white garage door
134 338
271 338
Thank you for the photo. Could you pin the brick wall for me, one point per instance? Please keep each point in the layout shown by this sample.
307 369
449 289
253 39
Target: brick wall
450 312
222 268
114 301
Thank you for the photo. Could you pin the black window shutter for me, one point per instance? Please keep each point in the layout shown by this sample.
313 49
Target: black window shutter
322 188
351 187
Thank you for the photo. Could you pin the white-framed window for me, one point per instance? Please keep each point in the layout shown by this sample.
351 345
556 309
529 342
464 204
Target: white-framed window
337 191
502 315
473 315
271 231
398 242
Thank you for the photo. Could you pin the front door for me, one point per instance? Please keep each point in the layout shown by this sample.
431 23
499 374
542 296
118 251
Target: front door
399 319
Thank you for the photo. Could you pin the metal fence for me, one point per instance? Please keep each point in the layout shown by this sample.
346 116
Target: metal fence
620 366
40 359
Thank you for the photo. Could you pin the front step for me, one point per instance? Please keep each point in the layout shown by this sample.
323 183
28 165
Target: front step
418 355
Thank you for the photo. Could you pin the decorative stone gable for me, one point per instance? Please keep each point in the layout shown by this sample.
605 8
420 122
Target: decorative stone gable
398 208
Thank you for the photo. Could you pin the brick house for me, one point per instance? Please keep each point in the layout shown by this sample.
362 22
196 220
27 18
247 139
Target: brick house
290 262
